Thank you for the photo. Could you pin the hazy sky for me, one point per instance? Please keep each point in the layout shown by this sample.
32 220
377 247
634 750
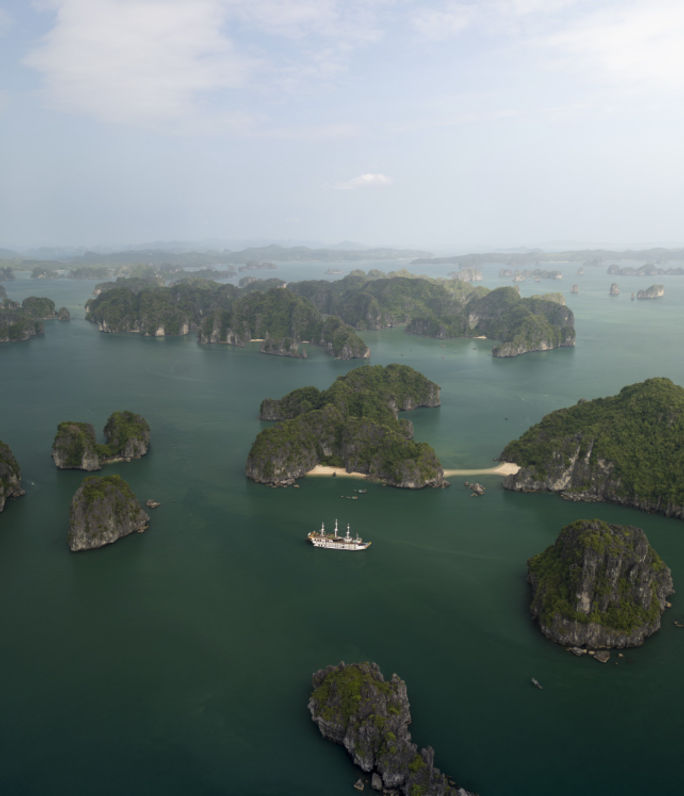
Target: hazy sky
467 124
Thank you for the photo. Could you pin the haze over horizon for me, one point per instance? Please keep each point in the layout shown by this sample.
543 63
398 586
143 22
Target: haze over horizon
438 125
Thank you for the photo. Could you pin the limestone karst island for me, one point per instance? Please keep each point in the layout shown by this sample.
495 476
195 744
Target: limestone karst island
127 437
353 424
599 586
626 449
285 317
353 705
104 510
10 475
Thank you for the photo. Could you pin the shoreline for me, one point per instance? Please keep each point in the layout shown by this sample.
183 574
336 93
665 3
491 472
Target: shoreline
505 468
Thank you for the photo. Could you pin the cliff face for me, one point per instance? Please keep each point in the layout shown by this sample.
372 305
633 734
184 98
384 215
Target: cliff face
352 424
653 292
104 510
599 586
75 448
10 475
127 437
623 449
354 706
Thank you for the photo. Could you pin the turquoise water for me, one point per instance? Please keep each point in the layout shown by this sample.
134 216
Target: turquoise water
179 661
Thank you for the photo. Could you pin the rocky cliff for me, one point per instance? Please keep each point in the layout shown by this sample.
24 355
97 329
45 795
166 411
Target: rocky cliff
104 510
624 449
353 424
653 292
127 437
10 475
353 705
599 586
75 447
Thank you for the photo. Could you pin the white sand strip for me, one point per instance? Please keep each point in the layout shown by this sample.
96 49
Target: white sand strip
505 468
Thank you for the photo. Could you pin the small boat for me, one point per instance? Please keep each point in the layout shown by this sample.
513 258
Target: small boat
537 684
333 541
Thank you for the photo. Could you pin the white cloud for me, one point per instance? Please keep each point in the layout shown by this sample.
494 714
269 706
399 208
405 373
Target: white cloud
151 61
444 22
365 181
636 44
136 60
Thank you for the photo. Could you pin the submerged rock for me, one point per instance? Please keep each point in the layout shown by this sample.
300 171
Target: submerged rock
353 705
10 475
599 586
103 510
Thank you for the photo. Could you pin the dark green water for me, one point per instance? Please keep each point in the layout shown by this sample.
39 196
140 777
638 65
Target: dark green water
179 661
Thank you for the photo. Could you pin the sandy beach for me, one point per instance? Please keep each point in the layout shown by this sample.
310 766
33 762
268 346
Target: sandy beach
505 468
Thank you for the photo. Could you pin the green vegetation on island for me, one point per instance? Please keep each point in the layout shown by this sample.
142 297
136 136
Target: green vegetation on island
127 437
330 314
445 308
353 705
103 510
10 475
353 424
627 448
278 318
21 322
599 586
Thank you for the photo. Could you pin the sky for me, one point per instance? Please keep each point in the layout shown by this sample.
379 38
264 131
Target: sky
457 125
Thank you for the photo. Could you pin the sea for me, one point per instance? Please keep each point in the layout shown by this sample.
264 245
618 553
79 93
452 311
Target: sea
179 661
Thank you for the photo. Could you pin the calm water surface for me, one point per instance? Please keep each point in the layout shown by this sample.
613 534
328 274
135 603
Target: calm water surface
179 661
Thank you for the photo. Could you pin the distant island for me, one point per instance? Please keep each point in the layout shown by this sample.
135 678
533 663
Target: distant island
623 449
21 322
653 292
354 424
599 586
353 705
280 320
127 437
10 475
330 314
103 510
445 308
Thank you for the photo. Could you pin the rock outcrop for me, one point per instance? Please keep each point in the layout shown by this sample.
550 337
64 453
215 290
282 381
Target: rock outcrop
599 586
103 510
354 424
623 449
127 437
10 475
75 447
614 289
353 705
653 292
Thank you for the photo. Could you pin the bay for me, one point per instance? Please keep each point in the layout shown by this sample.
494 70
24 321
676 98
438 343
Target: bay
180 660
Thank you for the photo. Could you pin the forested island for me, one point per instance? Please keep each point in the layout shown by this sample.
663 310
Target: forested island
354 424
330 314
599 586
445 308
353 705
20 322
10 475
103 510
627 448
127 437
279 319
